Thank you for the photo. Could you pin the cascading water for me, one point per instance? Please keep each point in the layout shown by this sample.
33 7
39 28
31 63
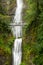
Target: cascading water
17 32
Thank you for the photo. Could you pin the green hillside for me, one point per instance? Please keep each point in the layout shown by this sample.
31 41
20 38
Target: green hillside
32 46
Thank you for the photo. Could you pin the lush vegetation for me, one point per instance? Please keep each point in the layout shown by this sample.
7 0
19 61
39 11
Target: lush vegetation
6 37
32 33
33 37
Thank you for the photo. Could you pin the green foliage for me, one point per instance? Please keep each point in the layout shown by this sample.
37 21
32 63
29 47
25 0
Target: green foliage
22 63
30 12
33 41
32 35
38 60
6 37
4 25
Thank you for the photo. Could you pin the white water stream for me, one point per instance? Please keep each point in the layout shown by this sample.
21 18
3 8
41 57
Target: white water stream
17 32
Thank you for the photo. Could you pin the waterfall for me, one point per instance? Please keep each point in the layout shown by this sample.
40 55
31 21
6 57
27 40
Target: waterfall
17 32
17 52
